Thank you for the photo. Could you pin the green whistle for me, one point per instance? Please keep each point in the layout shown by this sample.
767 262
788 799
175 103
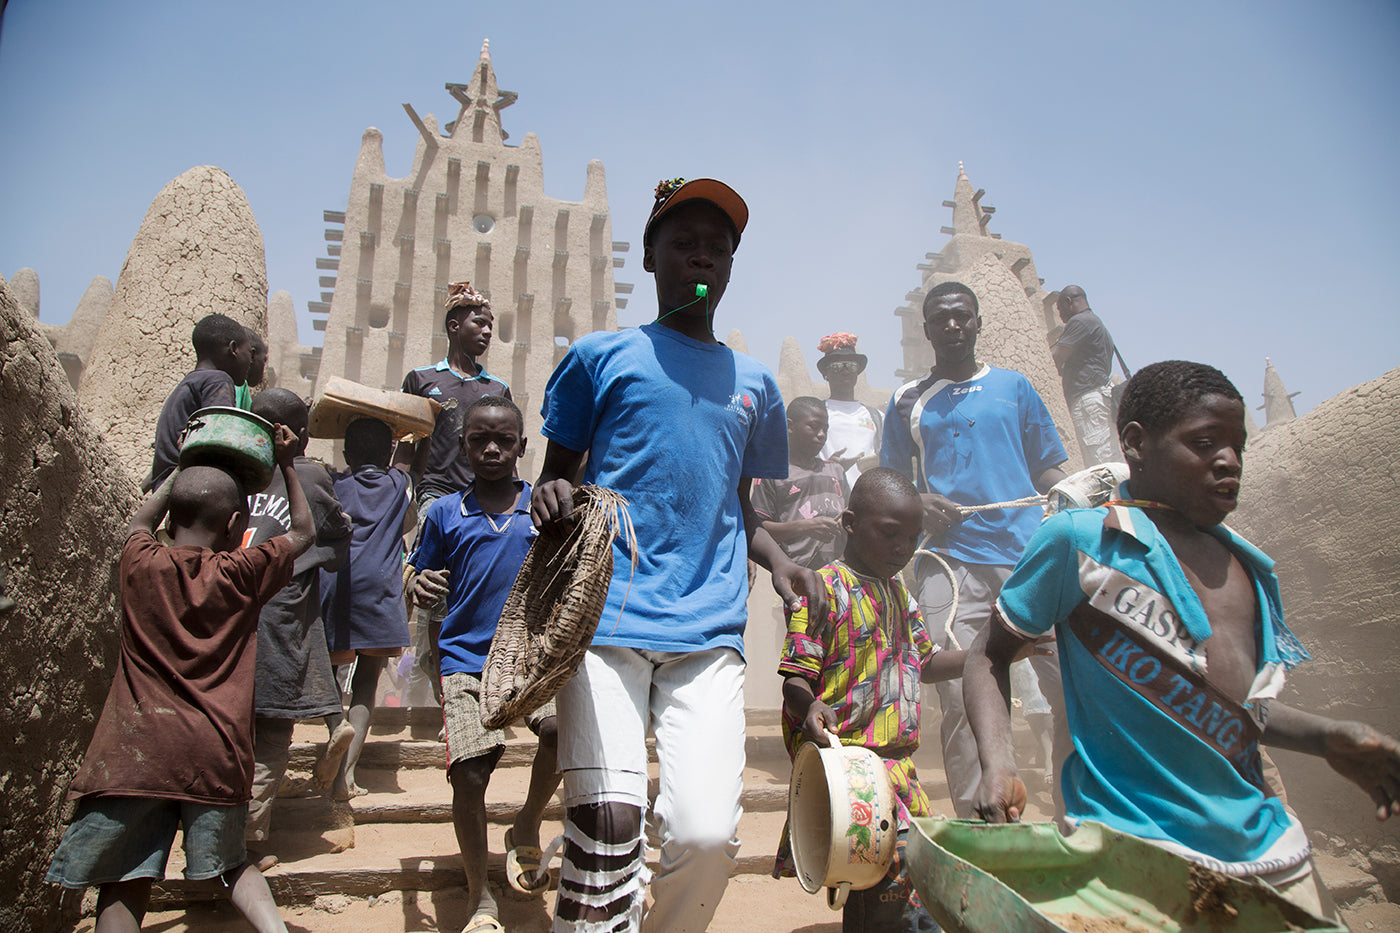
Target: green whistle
701 291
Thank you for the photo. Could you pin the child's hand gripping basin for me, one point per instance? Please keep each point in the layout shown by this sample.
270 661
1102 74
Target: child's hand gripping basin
842 820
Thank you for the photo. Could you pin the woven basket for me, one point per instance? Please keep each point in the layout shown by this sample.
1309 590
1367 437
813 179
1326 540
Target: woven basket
553 609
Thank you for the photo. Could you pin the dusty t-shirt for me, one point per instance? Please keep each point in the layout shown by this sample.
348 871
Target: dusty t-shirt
805 494
294 675
178 721
200 389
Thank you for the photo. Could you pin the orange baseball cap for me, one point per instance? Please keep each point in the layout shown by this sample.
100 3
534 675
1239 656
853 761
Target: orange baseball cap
671 193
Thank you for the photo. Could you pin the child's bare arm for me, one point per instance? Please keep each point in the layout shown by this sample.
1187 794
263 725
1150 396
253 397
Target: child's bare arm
948 664
1001 797
303 531
411 457
816 717
148 516
1369 759
552 498
943 665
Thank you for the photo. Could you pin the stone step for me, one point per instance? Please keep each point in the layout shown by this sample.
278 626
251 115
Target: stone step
401 741
411 857
751 903
423 795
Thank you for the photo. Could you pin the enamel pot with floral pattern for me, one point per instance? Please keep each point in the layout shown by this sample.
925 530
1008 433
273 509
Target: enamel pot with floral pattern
842 820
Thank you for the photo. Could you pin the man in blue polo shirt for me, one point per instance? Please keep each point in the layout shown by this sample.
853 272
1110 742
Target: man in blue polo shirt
436 463
970 434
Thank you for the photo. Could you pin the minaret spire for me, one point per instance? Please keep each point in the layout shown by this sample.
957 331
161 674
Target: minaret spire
482 101
970 216
1278 401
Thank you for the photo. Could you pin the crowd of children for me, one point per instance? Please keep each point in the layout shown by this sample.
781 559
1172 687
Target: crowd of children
230 630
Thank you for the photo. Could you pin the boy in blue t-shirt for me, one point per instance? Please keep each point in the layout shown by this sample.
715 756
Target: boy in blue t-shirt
362 604
1173 648
678 423
469 551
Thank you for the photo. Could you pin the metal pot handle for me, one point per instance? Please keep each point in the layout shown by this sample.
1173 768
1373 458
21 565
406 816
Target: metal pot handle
836 897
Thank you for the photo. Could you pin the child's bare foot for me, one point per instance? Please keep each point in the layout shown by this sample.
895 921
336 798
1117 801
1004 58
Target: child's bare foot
328 768
261 861
346 789
296 787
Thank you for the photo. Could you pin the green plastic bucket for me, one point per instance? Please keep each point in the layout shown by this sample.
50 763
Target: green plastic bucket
1025 877
233 440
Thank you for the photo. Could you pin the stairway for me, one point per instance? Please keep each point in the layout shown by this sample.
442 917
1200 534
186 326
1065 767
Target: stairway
403 871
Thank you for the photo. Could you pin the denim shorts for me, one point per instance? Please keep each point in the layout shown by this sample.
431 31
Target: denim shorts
116 839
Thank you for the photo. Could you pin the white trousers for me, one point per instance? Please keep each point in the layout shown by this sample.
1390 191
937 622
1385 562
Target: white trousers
694 704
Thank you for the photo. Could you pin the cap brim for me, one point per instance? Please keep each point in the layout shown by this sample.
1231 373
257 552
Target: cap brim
705 189
842 356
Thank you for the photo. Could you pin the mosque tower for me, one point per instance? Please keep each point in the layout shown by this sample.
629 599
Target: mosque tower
472 208
1278 401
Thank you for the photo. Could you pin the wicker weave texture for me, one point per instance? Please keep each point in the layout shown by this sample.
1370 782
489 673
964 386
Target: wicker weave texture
553 609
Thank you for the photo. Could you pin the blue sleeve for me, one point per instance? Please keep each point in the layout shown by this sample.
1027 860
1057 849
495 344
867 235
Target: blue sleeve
897 446
767 452
570 409
431 553
1044 586
1039 438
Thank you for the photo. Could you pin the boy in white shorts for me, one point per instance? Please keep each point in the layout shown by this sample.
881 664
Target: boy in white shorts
679 424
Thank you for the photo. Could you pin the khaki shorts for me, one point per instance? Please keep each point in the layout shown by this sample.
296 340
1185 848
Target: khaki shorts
461 712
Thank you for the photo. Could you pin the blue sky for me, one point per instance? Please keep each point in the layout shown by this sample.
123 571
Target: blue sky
1221 178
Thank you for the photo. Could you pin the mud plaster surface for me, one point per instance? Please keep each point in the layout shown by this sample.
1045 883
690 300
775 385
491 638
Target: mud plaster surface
64 503
198 251
1320 497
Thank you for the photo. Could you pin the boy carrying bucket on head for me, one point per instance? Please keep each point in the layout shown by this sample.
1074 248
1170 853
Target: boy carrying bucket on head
362 600
469 551
1173 649
855 671
174 744
223 350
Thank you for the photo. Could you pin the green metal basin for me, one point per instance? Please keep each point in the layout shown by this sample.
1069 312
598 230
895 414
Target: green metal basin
231 439
1026 878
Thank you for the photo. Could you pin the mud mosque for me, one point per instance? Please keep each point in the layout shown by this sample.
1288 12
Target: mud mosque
79 402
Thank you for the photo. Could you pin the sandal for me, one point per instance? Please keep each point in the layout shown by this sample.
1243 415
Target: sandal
483 923
523 867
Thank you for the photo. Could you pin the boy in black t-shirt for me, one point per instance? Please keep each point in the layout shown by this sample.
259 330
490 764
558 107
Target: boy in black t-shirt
803 511
223 351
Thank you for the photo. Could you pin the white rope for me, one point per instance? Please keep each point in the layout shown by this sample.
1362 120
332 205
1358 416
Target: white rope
1025 503
953 583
